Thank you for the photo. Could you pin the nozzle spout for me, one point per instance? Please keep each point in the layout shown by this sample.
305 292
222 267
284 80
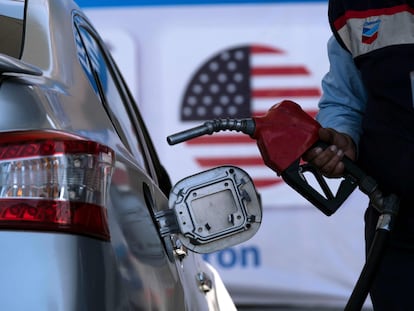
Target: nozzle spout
246 126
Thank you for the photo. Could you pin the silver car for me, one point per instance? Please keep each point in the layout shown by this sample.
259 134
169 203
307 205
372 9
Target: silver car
88 217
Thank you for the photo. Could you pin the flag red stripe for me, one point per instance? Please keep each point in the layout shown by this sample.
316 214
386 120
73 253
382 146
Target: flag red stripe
281 70
296 92
258 49
267 182
312 113
239 161
221 139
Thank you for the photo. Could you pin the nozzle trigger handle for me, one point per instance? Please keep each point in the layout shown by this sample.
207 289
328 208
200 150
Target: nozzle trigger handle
328 202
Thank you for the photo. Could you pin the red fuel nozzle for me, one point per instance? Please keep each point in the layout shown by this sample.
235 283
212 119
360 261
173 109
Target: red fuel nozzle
284 134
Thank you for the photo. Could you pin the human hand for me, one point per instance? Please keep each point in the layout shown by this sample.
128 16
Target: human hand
328 161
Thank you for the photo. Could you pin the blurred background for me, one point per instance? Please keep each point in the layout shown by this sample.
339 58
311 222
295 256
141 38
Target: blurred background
189 61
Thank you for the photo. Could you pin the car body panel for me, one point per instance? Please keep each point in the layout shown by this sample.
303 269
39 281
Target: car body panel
47 273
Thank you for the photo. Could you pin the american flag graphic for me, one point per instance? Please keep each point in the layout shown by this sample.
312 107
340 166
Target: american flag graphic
241 82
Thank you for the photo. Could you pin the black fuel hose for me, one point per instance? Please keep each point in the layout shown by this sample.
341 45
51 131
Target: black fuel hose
390 207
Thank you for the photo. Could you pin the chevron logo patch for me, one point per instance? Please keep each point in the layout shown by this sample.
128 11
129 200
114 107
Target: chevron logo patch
370 31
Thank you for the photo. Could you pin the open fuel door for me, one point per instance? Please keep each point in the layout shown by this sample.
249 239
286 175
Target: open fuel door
213 210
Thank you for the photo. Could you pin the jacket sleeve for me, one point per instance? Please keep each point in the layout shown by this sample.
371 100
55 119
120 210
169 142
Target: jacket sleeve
342 104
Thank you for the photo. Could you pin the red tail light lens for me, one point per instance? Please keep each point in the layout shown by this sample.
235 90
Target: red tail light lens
54 181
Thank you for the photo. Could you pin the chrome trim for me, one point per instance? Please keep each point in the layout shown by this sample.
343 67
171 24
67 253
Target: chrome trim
10 64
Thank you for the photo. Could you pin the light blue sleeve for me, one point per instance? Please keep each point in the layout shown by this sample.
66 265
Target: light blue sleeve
342 104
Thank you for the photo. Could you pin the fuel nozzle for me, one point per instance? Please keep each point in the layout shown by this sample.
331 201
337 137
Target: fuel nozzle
283 135
246 126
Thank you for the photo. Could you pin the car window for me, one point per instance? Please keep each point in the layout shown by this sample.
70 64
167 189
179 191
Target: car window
108 83
101 77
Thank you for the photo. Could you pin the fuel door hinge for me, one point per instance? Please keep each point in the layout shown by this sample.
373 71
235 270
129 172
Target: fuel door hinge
167 222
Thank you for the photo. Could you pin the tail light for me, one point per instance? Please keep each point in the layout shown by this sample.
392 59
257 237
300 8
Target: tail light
54 181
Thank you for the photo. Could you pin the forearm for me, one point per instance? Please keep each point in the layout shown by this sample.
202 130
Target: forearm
342 104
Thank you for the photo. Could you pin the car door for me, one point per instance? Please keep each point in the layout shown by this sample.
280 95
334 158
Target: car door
159 268
145 258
